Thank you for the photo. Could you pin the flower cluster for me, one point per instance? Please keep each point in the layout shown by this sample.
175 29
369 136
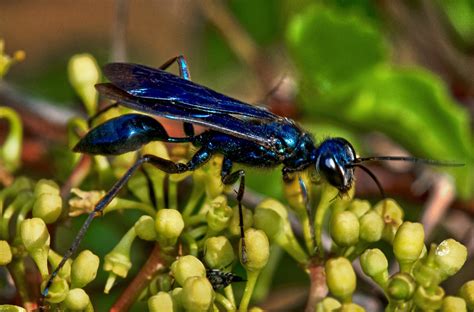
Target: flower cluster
197 243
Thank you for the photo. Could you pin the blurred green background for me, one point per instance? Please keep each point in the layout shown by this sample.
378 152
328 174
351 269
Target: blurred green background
400 69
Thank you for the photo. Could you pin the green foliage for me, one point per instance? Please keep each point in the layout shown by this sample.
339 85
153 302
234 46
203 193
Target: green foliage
342 60
333 49
460 14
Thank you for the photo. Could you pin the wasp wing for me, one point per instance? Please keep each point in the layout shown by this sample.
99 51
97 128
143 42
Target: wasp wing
150 83
174 110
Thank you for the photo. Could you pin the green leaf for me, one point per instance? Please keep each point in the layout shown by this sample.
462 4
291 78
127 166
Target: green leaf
414 108
344 78
333 48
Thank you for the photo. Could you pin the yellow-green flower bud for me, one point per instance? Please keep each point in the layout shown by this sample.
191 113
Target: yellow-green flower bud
450 256
392 214
10 307
161 302
375 264
285 237
408 244
84 269
257 248
247 215
401 287
34 235
359 207
453 304
83 75
268 221
340 278
371 227
467 293
48 206
428 300
168 224
5 253
145 228
328 304
58 290
45 186
219 215
275 205
351 307
187 266
197 294
218 252
10 149
344 228
77 300
176 294
256 309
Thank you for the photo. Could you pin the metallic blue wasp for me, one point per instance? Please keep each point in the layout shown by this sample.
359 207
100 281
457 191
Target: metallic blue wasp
242 133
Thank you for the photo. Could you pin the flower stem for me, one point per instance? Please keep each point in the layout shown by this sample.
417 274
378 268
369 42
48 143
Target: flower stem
307 231
173 194
327 195
153 266
193 200
229 293
249 286
224 302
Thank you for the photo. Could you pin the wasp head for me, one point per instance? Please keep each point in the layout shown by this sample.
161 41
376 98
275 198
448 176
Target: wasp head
334 161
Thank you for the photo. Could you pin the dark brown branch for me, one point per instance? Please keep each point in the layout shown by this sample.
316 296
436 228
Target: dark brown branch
318 290
153 265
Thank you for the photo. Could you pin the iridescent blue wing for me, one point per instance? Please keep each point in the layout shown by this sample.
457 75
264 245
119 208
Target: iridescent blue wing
225 123
150 83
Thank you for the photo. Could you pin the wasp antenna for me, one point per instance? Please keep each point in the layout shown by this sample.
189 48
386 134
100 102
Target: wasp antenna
366 170
431 162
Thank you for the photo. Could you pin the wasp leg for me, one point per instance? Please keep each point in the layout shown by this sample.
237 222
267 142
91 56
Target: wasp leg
201 156
183 73
182 65
307 203
230 178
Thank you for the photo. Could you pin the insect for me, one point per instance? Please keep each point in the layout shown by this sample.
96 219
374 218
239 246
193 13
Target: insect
220 279
242 133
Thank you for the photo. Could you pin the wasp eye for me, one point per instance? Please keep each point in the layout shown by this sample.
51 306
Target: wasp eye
332 172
